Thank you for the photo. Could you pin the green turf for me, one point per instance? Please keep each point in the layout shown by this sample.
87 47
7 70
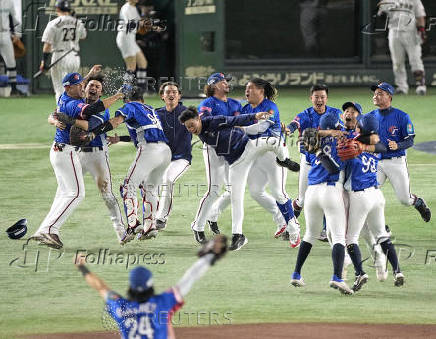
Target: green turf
248 286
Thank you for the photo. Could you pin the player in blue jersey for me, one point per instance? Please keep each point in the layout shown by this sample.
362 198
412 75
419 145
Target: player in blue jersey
364 199
239 151
95 157
144 314
397 133
309 118
324 197
260 95
65 158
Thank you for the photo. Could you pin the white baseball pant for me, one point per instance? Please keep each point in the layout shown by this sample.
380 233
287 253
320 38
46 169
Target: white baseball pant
302 179
396 171
71 188
68 64
7 53
174 171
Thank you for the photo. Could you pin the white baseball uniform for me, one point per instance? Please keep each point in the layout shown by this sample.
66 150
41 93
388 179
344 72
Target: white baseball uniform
126 37
6 48
63 34
403 37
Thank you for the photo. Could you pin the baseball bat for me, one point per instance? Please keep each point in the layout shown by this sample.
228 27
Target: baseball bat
37 74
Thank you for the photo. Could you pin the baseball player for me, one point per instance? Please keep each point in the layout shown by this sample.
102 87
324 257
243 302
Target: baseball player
7 11
239 151
61 41
260 95
65 158
396 132
364 200
136 63
95 157
309 118
324 197
180 144
144 314
406 35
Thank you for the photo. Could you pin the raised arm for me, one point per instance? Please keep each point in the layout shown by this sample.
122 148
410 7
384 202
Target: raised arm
93 280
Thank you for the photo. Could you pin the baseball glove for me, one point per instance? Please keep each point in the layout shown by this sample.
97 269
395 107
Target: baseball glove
310 140
349 149
19 49
79 137
144 26
217 246
62 117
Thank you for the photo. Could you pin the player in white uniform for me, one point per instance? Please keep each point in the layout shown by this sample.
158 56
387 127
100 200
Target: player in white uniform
136 63
406 34
61 37
95 157
6 48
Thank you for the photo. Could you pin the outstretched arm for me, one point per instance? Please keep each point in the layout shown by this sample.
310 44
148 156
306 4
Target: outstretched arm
92 279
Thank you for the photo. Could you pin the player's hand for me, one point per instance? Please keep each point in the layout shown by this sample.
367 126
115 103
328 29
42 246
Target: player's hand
112 140
43 67
264 115
79 259
392 145
94 70
422 34
14 38
285 129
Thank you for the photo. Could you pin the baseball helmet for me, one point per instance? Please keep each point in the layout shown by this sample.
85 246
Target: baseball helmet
329 121
63 5
17 230
368 124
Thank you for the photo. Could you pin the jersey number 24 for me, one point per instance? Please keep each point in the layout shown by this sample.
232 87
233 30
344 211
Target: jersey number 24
139 329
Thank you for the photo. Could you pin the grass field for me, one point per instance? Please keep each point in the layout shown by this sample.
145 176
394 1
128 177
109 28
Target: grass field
249 286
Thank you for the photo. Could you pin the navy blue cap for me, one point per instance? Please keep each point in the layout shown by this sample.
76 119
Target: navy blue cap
217 77
356 106
140 279
17 230
385 87
368 124
72 79
329 121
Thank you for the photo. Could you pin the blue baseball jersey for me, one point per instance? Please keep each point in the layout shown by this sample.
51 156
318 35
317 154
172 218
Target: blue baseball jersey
148 320
179 138
214 106
143 119
361 172
394 125
309 118
96 120
266 106
219 132
73 108
317 173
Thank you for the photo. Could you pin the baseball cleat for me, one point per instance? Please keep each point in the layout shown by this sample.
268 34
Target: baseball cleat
297 280
238 240
399 279
213 225
339 284
50 240
294 240
381 270
285 236
289 164
388 231
360 280
129 234
421 90
199 236
401 91
422 208
119 230
323 236
280 230
160 224
297 208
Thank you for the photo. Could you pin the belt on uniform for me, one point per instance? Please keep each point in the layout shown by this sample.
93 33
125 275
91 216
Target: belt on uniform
89 148
366 189
399 157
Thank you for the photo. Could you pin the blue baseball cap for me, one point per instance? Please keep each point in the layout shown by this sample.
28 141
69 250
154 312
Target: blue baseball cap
368 124
140 279
217 77
355 105
329 121
385 87
72 79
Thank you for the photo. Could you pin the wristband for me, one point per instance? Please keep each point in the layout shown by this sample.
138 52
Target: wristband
421 28
125 138
83 269
45 57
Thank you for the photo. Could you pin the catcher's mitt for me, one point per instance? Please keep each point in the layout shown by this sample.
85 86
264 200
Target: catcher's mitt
79 137
19 49
144 26
310 140
349 149
217 246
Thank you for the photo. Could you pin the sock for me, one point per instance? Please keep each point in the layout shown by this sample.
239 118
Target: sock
286 209
419 78
303 252
354 252
12 77
338 254
389 249
324 224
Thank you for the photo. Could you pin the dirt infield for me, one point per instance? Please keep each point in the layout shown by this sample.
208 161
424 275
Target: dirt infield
282 330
